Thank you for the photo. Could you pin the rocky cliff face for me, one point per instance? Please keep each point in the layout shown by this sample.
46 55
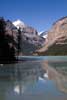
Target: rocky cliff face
29 33
29 38
57 39
59 28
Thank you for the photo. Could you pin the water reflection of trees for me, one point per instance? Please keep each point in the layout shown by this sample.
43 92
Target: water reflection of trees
20 75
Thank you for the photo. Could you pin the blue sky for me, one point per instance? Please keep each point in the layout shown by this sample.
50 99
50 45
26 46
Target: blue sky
40 14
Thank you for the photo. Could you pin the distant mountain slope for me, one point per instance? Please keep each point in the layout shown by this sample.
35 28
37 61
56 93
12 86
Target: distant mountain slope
57 39
43 34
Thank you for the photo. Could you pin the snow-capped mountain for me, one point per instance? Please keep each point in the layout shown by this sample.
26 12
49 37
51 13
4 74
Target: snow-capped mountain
30 40
40 32
43 34
18 23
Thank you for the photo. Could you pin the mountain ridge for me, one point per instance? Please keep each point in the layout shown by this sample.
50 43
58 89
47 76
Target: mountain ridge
56 39
30 40
18 23
51 42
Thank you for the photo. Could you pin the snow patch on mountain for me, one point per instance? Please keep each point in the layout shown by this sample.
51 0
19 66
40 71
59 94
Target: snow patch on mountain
43 34
18 23
40 32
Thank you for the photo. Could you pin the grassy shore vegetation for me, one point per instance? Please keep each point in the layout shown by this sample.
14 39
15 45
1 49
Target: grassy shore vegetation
55 50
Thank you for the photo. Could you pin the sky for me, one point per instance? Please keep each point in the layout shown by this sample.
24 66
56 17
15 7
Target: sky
40 14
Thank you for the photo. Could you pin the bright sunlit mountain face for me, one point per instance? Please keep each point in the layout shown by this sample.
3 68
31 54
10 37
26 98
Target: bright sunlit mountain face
18 23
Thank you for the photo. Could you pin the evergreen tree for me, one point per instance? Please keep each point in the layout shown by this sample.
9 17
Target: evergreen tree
6 52
19 40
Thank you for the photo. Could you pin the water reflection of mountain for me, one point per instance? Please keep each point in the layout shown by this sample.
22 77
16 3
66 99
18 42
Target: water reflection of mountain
57 71
61 67
16 78
32 80
22 70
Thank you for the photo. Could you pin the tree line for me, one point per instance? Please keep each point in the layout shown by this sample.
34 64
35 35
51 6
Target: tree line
7 49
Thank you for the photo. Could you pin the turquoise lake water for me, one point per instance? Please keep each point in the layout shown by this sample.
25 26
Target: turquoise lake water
35 78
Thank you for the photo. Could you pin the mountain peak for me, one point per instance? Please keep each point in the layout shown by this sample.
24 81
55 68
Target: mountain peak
18 23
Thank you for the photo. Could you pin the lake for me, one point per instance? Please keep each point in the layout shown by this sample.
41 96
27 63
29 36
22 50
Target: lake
34 78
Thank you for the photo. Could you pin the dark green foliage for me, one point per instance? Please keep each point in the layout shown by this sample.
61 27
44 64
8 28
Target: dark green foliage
19 40
6 52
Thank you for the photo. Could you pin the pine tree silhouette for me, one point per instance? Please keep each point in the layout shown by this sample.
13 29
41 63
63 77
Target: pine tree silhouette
19 40
6 52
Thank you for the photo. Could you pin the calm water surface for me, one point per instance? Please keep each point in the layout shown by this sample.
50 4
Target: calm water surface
38 78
